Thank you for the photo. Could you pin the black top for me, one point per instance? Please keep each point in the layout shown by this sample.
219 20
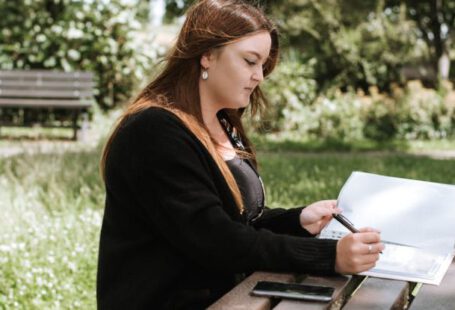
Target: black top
250 187
171 228
245 174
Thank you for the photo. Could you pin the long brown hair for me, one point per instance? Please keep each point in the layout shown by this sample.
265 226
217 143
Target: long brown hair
209 24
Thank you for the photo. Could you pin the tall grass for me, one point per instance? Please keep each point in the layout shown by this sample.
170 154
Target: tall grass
51 214
52 204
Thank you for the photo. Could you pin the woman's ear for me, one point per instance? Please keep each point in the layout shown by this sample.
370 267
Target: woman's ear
206 59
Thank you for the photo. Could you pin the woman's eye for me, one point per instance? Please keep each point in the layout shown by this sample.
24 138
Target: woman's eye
251 63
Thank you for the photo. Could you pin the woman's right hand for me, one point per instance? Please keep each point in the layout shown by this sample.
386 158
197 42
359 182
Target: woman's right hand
358 252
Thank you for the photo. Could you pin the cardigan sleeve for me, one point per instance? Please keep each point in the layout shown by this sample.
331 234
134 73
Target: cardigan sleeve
171 180
282 221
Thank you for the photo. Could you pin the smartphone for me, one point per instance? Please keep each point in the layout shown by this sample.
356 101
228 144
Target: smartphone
293 291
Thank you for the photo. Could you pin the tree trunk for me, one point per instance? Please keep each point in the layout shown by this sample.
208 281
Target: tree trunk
444 66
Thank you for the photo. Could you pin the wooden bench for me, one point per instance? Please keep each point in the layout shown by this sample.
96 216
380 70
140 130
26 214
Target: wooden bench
351 292
26 96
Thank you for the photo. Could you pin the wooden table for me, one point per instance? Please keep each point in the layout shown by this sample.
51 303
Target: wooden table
351 292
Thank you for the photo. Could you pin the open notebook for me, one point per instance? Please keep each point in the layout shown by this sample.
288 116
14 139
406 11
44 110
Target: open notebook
416 220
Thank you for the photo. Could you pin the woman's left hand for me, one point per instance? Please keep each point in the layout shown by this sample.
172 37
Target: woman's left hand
315 216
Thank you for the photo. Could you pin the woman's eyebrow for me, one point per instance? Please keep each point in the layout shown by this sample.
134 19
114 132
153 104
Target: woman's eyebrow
257 55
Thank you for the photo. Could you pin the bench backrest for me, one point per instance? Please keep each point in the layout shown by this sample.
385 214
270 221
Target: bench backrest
45 88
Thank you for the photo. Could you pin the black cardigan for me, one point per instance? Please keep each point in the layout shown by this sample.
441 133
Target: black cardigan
171 226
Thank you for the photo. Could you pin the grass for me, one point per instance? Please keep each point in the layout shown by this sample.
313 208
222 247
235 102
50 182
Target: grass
52 206
276 143
52 209
296 179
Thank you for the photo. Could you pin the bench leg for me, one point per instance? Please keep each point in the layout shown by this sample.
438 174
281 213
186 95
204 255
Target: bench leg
83 132
75 117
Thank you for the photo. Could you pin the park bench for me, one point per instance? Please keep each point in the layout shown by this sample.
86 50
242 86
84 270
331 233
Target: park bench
45 98
351 292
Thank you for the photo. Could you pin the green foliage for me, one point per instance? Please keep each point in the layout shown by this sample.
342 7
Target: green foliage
425 114
436 22
95 36
380 123
409 113
289 87
175 8
353 44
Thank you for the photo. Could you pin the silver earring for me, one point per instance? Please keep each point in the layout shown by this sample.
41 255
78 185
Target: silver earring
205 74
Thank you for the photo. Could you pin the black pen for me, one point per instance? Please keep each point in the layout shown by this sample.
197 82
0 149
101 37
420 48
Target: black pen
346 223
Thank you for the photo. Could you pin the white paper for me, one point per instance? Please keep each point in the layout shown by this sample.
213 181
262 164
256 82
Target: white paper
416 213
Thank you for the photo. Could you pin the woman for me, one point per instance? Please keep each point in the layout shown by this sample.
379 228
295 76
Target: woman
185 217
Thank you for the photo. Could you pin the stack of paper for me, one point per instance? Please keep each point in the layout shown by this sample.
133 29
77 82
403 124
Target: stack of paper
416 220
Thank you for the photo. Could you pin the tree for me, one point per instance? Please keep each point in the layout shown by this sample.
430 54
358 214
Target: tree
354 42
435 20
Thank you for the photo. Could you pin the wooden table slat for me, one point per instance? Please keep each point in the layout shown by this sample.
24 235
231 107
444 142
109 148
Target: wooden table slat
437 297
377 294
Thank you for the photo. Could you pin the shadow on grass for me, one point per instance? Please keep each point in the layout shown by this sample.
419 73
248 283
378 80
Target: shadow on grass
28 137
37 133
265 144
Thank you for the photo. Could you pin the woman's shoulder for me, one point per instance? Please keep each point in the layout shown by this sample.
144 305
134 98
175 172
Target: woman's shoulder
153 124
152 117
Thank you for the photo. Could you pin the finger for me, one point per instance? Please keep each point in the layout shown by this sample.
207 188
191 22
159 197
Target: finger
368 237
337 210
366 267
325 210
325 220
329 204
369 229
368 259
373 248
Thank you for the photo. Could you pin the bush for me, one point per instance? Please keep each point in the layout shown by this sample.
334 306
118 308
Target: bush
408 113
424 113
288 88
95 36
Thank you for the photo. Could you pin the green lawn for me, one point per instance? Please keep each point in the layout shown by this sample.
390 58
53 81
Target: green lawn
292 178
52 209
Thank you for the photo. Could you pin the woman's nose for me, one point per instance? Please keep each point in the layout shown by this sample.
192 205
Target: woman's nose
258 75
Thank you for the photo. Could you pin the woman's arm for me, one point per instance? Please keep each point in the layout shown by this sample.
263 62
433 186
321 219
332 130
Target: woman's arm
282 221
174 182
304 221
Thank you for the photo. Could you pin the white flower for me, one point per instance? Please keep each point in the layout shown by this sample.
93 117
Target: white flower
74 33
5 248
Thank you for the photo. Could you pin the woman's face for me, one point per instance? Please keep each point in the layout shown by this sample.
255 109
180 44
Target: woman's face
235 70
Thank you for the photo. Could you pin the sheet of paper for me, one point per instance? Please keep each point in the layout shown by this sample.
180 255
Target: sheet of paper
411 264
411 212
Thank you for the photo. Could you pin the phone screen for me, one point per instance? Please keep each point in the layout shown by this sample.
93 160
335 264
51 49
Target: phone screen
293 290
